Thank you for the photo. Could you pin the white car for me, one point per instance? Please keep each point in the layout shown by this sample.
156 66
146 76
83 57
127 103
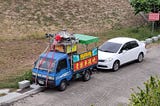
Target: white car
118 51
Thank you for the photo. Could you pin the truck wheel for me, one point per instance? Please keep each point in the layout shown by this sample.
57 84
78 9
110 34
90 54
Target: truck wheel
41 83
86 76
63 85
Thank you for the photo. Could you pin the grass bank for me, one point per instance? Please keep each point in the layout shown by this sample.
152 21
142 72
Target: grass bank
141 33
11 81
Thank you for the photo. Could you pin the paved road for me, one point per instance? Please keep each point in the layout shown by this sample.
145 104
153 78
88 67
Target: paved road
104 89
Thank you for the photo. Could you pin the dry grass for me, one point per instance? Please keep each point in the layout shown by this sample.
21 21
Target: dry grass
25 17
18 56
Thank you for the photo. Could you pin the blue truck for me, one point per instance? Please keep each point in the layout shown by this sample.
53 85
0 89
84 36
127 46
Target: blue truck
62 62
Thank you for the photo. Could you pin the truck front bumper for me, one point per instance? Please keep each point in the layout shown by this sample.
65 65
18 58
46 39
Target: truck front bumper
42 82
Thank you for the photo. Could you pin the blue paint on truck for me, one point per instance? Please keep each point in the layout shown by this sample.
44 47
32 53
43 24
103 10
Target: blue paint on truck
61 69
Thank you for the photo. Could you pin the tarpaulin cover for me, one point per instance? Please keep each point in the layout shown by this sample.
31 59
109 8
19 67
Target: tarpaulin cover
86 39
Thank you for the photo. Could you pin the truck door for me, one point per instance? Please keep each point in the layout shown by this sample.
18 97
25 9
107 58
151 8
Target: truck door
63 71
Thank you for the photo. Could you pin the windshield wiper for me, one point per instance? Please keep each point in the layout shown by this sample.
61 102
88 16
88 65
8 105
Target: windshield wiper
108 51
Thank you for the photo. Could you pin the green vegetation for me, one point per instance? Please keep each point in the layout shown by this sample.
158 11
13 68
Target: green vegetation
140 33
149 96
145 5
12 82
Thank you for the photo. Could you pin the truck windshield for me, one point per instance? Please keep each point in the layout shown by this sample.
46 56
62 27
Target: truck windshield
45 64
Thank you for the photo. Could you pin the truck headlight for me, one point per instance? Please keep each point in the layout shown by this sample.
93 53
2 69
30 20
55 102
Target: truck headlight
51 78
44 76
33 73
108 59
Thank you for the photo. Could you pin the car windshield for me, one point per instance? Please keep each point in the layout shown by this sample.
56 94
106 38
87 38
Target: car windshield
110 47
45 64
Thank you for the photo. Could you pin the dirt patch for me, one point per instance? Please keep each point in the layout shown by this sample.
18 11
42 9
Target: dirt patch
152 45
2 94
25 17
18 56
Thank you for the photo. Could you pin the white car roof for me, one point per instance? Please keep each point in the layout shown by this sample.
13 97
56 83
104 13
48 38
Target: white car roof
121 40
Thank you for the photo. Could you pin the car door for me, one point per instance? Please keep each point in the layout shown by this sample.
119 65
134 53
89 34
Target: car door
134 51
124 54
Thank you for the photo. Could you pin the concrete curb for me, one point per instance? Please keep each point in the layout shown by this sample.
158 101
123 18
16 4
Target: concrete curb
8 99
151 40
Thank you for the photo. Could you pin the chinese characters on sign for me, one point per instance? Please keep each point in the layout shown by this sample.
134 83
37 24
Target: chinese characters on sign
67 49
83 60
85 55
74 48
153 16
85 63
82 56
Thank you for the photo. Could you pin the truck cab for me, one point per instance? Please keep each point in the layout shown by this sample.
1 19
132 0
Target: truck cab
54 69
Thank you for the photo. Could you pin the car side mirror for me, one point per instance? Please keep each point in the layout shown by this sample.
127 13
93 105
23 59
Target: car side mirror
124 51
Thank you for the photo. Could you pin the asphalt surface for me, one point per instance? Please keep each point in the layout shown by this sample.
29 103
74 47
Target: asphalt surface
105 88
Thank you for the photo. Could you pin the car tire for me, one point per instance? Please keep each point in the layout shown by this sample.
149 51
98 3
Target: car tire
140 57
86 76
116 66
63 85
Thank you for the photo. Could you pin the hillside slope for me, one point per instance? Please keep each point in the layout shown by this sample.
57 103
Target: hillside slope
25 17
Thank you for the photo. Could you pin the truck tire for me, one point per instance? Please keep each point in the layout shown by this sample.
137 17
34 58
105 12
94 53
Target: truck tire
40 83
86 76
63 85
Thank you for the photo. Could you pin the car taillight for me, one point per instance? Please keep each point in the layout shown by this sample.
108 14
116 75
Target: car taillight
145 45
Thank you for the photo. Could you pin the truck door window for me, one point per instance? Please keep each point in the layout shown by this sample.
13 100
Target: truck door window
62 65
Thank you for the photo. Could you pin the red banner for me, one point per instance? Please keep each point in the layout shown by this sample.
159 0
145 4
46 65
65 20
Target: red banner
85 63
153 16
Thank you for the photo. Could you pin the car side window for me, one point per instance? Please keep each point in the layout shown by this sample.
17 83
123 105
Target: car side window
62 65
125 47
134 44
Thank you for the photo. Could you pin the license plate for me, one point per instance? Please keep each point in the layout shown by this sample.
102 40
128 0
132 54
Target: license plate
41 82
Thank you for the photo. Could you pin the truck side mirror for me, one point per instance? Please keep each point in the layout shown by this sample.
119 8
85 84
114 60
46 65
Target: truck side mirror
35 62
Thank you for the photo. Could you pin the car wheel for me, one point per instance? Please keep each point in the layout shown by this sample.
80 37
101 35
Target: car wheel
140 57
63 85
116 66
86 76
